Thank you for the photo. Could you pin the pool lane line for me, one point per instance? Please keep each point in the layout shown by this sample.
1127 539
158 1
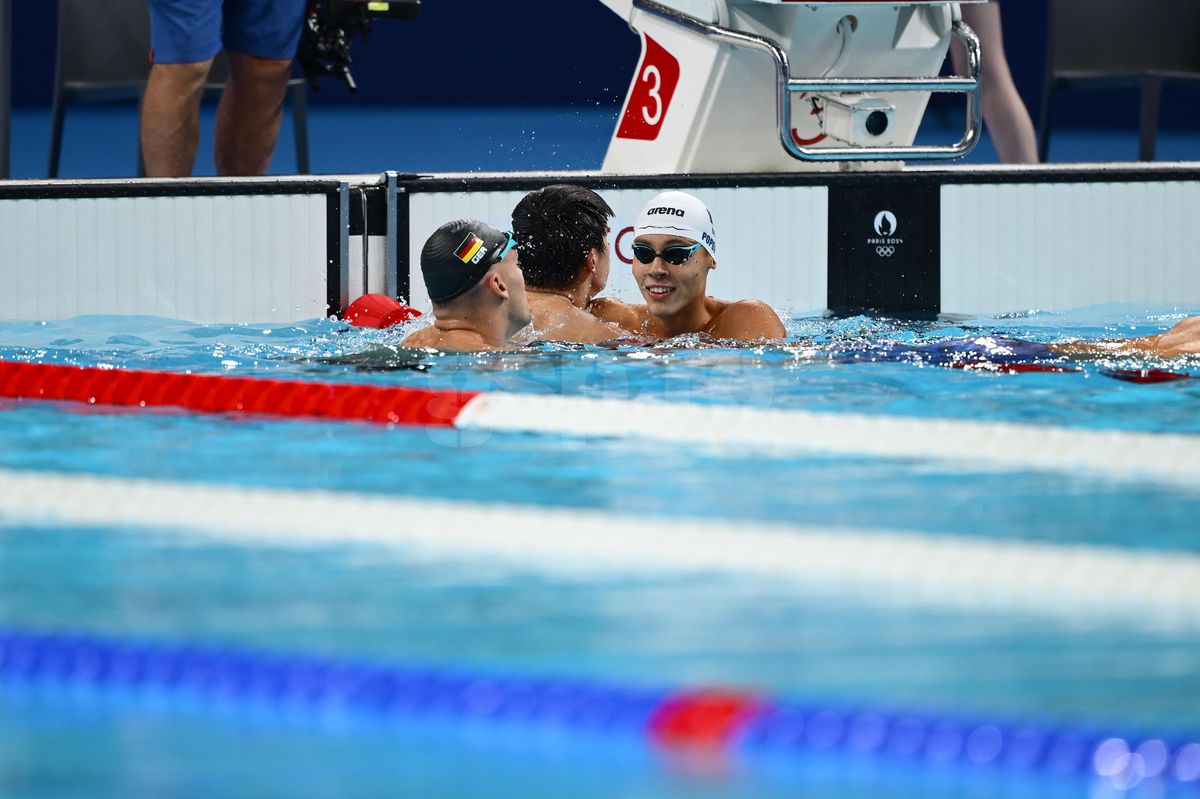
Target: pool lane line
725 722
1164 458
1061 581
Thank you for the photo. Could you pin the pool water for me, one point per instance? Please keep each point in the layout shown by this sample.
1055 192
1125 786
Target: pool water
847 648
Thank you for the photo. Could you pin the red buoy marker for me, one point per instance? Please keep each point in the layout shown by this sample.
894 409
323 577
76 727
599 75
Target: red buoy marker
379 311
703 718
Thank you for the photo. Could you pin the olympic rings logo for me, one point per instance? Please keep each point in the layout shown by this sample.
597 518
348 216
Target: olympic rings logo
885 251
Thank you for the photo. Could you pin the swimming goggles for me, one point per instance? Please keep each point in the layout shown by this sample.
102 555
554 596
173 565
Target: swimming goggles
508 245
674 255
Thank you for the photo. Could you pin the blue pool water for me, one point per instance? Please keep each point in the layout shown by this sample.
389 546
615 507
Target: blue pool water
847 648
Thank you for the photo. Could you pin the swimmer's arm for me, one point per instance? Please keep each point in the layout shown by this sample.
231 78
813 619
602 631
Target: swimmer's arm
578 327
1182 339
619 313
748 320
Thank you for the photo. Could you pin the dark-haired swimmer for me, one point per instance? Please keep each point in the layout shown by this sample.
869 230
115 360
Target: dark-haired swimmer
674 249
478 293
562 235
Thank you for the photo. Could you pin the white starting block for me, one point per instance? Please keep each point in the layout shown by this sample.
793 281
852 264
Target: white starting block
786 85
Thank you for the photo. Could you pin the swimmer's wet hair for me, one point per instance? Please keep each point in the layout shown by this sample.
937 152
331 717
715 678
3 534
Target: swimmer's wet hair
555 227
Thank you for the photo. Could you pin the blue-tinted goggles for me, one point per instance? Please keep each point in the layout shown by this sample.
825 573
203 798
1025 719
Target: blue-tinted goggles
674 255
508 246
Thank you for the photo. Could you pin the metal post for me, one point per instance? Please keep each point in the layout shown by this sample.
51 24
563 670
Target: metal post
391 269
5 88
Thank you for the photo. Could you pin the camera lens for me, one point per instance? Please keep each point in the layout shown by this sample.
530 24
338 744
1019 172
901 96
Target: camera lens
877 122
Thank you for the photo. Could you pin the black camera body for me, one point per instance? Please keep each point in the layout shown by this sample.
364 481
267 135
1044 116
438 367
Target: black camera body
332 25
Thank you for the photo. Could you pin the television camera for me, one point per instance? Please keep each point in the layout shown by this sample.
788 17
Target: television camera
331 26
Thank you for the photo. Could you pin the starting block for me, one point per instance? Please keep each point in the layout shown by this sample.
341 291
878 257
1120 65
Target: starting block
787 85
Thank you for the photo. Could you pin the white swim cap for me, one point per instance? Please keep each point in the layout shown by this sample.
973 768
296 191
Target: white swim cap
677 213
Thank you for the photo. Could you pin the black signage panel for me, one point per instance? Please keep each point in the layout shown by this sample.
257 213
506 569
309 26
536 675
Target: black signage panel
884 248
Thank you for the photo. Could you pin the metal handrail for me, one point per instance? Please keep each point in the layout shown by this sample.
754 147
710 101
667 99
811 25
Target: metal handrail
785 85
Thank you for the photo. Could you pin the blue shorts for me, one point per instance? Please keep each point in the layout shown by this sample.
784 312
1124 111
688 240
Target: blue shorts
191 31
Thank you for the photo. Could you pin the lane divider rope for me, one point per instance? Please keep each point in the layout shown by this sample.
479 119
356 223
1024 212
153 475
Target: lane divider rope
227 394
1155 457
1171 459
731 722
1045 579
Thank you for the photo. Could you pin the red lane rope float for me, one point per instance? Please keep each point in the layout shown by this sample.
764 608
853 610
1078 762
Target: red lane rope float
703 718
223 394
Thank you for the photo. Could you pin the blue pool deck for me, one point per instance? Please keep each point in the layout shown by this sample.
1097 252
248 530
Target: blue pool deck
100 141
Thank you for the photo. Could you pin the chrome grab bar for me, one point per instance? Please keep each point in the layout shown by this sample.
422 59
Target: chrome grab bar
785 85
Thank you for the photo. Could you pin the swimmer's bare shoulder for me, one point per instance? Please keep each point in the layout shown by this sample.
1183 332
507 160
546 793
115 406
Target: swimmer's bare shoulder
746 320
422 338
622 314
446 341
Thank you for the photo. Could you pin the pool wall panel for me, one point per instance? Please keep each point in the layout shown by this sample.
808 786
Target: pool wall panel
277 250
210 258
1055 246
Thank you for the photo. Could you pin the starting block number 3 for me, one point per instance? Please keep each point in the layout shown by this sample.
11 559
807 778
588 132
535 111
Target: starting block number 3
650 97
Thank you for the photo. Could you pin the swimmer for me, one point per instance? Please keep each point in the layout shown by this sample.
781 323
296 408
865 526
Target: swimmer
1182 339
478 293
674 248
562 236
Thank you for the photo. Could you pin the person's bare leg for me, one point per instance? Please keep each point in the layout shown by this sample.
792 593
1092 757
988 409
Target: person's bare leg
170 124
249 115
1004 112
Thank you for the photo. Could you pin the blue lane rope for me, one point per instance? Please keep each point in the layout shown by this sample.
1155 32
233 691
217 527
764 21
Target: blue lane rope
749 727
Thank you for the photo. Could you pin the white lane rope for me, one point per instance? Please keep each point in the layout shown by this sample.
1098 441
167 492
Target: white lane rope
1166 458
1057 580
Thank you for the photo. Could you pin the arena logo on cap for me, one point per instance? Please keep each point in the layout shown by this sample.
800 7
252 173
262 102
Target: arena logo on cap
662 209
471 250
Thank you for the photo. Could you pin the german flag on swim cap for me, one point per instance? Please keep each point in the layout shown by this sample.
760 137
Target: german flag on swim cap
469 249
457 256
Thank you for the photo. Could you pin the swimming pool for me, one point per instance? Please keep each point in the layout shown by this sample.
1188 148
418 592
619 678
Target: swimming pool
348 588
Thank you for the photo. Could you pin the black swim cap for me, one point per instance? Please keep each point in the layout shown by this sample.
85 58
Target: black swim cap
457 256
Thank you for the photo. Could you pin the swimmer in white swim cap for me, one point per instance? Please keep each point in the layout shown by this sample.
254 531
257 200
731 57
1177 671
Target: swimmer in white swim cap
674 248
